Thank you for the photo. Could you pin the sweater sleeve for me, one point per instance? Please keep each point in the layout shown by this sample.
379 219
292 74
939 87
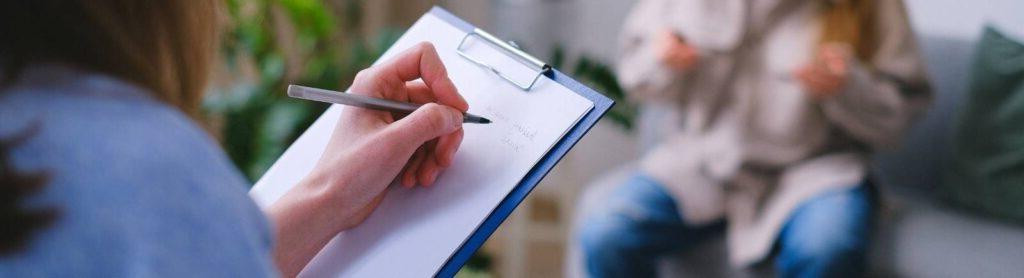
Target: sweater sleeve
882 98
639 69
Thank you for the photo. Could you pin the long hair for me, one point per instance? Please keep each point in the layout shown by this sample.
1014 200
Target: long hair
19 223
164 46
851 22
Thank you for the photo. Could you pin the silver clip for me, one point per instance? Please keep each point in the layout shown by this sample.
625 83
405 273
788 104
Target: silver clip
510 47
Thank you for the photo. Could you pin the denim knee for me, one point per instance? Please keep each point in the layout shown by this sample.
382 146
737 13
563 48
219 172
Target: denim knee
827 237
624 236
603 246
821 260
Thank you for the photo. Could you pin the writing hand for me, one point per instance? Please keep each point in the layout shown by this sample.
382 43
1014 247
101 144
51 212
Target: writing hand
368 150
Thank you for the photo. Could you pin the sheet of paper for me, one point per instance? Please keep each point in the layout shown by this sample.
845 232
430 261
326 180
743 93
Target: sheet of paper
414 231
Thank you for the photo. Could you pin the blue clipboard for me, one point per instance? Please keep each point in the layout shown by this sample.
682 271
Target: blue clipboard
601 106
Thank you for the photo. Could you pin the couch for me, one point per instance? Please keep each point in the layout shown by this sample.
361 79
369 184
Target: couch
918 235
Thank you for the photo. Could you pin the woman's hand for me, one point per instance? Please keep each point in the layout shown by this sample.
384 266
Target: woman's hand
371 149
675 52
826 75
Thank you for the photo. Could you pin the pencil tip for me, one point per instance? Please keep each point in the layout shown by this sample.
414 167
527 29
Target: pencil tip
485 120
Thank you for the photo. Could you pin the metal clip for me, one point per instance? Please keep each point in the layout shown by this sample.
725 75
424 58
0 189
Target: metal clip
510 47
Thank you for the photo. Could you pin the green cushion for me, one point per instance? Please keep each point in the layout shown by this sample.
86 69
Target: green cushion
987 168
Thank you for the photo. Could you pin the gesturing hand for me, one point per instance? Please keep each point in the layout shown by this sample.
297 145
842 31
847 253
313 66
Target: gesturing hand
675 52
827 73
369 150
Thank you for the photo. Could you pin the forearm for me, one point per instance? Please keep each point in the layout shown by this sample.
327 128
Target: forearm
303 226
886 93
876 109
640 66
645 76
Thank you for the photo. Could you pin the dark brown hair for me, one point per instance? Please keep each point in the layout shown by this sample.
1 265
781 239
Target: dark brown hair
19 223
164 46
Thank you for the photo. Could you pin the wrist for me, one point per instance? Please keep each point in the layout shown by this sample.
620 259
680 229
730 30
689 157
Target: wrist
304 222
322 198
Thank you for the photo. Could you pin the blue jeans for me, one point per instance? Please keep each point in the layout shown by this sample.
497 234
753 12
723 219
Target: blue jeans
826 236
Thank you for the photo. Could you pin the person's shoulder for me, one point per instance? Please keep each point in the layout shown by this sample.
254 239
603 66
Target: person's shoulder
95 121
113 136
127 174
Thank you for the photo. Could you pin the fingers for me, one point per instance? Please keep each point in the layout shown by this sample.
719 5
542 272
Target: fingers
817 83
670 35
833 57
422 62
835 65
664 42
688 56
419 76
418 92
825 78
436 154
440 154
683 59
413 167
666 46
430 159
841 50
446 148
428 172
674 52
812 80
827 73
429 169
428 122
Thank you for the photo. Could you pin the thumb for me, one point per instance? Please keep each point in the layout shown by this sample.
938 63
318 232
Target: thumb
430 121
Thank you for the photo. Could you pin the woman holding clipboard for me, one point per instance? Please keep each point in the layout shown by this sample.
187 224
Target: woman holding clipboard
104 171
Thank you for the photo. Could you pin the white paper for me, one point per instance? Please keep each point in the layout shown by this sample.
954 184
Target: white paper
414 231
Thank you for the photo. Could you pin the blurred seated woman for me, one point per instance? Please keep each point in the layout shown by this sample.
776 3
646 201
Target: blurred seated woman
775 109
105 172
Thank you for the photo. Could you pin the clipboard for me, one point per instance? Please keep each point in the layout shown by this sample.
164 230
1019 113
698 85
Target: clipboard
524 71
601 106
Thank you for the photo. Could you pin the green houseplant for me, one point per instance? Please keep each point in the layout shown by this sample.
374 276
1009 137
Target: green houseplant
271 44
601 78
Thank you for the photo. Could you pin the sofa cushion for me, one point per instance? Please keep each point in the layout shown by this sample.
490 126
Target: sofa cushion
987 168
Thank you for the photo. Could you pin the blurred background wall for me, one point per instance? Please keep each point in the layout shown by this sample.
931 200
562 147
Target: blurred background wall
591 27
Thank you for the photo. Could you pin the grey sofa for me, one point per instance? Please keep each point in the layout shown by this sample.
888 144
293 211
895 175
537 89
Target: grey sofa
918 235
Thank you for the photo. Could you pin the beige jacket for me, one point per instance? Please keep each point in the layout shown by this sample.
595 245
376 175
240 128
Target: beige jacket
746 143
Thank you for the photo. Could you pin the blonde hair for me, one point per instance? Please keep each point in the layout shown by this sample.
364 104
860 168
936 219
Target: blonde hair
851 22
164 46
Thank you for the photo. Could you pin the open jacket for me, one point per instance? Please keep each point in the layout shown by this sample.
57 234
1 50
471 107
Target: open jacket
744 141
